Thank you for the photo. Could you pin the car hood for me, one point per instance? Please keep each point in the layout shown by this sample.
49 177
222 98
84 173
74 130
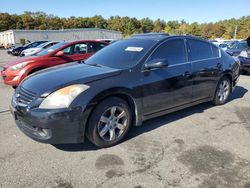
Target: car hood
19 60
46 81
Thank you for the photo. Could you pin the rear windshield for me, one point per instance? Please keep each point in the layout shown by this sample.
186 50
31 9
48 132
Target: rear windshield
51 49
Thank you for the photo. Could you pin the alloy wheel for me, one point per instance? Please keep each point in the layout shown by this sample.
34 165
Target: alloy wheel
112 123
224 90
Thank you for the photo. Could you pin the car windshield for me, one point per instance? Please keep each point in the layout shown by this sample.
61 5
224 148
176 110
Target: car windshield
122 54
51 49
43 44
240 45
26 45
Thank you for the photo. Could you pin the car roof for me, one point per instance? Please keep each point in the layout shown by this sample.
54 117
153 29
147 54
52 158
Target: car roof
78 41
150 36
162 36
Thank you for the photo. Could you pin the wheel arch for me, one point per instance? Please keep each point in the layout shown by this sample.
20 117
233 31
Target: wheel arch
229 75
123 93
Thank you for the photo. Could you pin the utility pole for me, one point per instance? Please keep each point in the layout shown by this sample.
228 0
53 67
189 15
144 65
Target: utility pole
235 31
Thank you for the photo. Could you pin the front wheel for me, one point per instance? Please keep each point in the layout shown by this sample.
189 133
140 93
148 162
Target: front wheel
109 122
223 91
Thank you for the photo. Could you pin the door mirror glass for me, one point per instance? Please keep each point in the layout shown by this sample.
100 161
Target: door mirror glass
156 64
59 54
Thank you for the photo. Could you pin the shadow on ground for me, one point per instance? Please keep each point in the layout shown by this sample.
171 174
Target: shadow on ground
154 123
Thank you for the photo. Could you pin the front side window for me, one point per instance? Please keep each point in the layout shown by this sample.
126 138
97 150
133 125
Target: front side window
200 50
68 50
172 51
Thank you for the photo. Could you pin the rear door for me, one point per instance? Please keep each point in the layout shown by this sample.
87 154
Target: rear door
206 67
170 86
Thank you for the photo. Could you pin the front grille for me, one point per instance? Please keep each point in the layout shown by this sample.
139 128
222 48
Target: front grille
24 96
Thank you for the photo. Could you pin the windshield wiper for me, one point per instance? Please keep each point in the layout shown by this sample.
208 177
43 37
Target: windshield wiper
94 64
81 62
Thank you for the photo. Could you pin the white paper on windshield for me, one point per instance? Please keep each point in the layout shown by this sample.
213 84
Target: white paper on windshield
50 50
134 49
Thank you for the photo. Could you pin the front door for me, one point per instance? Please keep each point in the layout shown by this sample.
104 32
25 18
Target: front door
169 86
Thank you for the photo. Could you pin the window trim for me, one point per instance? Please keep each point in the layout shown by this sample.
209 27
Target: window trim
219 50
160 45
186 46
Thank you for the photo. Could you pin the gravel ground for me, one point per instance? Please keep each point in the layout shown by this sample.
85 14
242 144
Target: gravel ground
202 146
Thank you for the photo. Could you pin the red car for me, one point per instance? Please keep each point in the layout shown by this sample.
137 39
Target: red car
64 52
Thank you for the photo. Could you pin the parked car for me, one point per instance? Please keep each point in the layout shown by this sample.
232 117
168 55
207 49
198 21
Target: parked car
125 83
32 51
244 59
13 46
64 52
17 51
230 43
237 48
223 46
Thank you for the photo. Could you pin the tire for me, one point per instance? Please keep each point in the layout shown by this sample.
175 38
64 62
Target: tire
109 122
223 91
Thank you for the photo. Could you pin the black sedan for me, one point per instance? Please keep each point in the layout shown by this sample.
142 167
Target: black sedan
122 85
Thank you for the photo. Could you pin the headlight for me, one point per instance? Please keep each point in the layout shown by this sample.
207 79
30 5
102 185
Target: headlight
20 65
243 54
62 98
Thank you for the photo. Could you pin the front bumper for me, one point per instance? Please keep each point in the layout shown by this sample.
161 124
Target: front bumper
50 126
13 78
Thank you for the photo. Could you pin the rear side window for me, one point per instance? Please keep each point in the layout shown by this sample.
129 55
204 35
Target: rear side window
201 50
173 51
215 51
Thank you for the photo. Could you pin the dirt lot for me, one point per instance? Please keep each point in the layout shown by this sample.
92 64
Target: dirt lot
202 146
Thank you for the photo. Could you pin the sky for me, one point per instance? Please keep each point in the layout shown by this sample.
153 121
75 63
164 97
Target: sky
190 10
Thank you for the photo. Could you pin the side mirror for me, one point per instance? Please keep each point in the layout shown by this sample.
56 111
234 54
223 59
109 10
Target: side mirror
156 64
59 54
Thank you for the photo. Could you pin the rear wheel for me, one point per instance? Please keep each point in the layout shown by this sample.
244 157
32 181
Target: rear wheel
222 91
109 122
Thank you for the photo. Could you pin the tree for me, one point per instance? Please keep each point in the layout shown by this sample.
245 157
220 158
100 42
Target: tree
147 25
127 25
159 25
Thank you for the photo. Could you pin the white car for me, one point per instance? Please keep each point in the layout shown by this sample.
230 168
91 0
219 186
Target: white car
32 51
